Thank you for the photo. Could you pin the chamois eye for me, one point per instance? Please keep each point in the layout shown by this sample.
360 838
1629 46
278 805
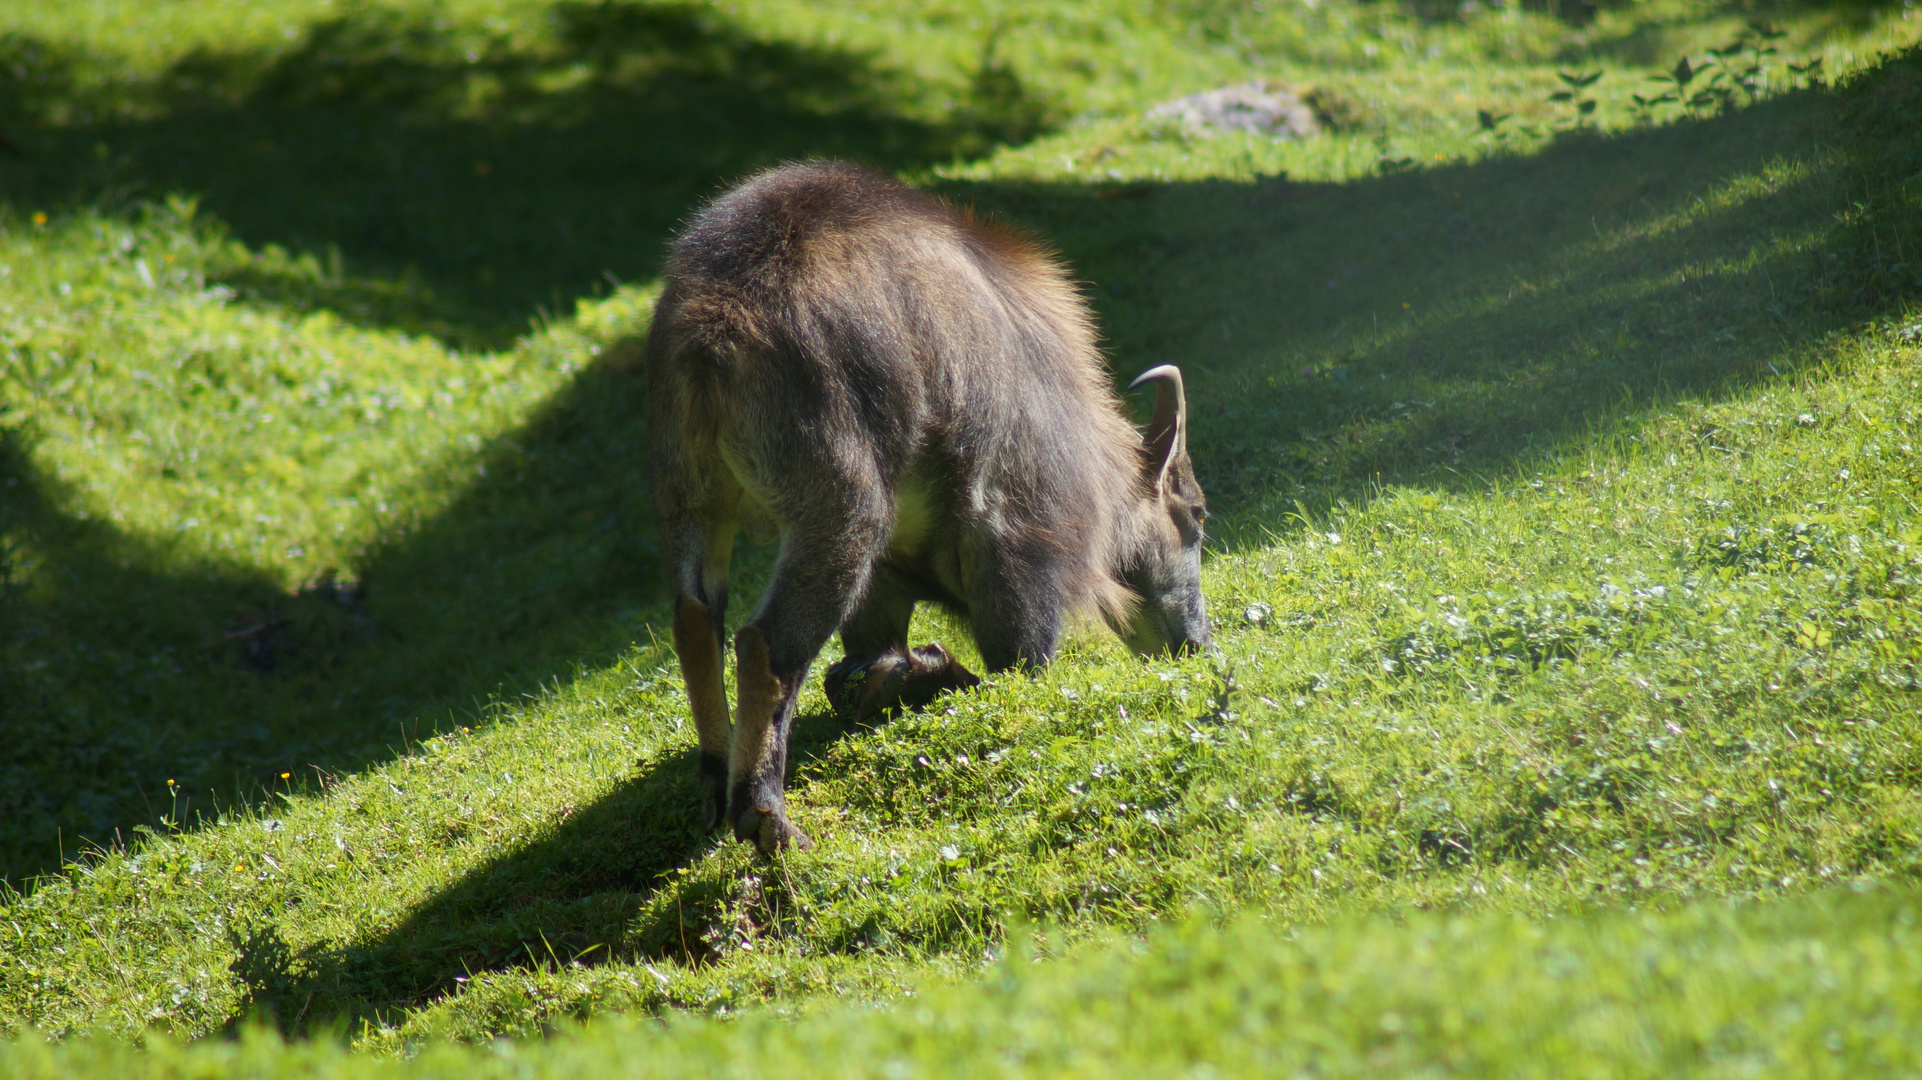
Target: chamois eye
1201 514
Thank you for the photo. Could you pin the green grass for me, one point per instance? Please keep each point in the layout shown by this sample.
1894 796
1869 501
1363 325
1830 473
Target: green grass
1827 987
1567 558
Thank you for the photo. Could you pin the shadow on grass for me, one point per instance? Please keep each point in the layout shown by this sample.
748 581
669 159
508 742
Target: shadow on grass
468 178
125 671
573 895
581 895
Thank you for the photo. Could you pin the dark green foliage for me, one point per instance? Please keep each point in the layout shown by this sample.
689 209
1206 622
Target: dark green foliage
487 173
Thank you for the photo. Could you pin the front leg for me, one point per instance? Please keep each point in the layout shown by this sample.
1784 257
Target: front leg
880 674
867 688
1017 611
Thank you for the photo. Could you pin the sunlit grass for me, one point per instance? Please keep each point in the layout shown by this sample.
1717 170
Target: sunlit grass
1816 987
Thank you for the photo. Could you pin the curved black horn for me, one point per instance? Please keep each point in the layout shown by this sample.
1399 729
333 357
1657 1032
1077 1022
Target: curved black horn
1167 436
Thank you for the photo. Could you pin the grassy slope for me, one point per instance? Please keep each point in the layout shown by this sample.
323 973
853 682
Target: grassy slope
1568 548
1808 989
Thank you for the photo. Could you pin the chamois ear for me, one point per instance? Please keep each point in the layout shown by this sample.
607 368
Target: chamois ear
1167 434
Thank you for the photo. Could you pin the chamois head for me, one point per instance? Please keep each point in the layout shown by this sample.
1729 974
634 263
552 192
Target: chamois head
1164 567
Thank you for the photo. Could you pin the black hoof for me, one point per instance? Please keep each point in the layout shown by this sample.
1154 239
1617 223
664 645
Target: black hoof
770 831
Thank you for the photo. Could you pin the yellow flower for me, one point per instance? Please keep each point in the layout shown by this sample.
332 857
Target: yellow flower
39 218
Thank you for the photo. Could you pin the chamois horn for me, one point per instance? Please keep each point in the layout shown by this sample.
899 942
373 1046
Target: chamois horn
1167 436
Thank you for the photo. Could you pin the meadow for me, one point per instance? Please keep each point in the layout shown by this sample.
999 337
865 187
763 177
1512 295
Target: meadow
1560 444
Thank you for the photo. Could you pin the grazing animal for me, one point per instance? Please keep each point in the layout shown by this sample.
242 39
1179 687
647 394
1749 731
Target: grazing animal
913 403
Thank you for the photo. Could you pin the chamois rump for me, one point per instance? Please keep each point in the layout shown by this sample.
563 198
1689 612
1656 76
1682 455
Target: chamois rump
913 403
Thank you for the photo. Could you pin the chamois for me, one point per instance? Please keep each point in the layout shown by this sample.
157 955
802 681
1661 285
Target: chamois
913 403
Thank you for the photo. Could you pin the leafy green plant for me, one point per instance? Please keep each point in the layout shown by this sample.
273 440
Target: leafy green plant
1678 79
1581 107
1809 72
1743 66
1746 58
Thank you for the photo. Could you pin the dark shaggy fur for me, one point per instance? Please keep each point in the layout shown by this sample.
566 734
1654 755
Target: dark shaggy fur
914 405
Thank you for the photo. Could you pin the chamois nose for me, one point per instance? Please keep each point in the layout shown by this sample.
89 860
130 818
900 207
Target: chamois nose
1195 646
1196 638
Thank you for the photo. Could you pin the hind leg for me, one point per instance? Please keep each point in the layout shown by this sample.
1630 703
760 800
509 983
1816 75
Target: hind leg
813 590
701 551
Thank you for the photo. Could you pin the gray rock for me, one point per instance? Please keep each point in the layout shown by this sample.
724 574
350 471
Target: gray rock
1259 108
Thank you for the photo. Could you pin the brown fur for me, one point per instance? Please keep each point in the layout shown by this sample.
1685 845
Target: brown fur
914 404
